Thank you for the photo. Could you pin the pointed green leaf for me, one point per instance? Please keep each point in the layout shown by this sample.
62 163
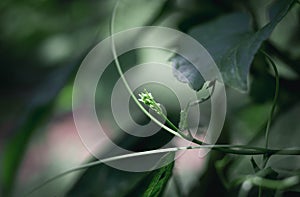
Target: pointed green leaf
232 43
160 178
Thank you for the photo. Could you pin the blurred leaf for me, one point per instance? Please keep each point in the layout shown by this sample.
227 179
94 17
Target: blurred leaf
286 33
134 13
202 96
285 132
155 182
256 168
247 121
186 73
183 124
268 172
106 181
160 178
34 115
232 44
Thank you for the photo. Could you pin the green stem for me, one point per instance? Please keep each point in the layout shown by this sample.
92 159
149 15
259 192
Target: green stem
175 128
233 149
267 156
125 81
259 191
274 100
175 132
272 184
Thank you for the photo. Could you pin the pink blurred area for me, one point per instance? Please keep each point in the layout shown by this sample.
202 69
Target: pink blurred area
58 147
55 148
189 166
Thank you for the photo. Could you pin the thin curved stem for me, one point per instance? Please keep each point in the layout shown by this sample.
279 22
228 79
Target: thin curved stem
269 183
267 156
175 132
274 100
232 149
125 81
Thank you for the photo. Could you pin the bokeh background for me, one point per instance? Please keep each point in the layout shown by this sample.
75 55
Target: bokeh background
42 44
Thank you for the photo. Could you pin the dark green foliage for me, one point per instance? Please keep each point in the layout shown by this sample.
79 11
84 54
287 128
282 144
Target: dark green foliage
232 43
42 44
105 181
154 183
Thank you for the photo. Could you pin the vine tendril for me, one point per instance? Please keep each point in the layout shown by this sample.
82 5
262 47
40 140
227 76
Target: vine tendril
230 149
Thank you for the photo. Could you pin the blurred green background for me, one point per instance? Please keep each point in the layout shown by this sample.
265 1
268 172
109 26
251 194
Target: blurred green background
42 44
